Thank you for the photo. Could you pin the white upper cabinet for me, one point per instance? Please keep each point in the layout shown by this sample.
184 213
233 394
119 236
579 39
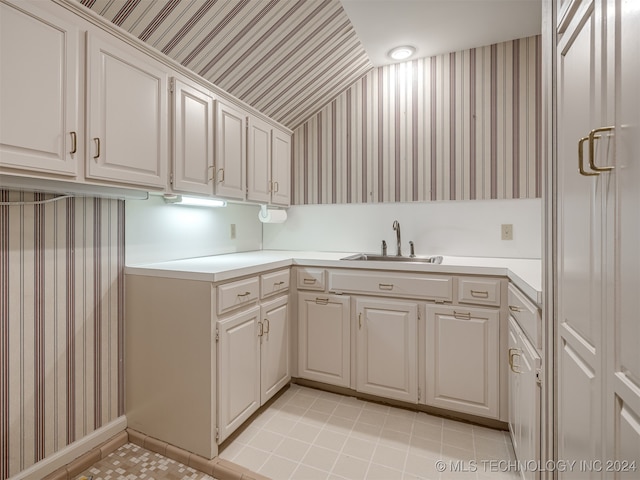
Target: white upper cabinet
231 151
268 164
281 168
193 114
39 96
126 114
259 183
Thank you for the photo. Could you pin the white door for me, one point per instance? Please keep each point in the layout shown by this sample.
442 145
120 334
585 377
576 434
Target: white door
39 94
624 389
231 151
463 359
324 334
580 197
238 370
274 347
192 139
281 168
387 343
259 161
127 114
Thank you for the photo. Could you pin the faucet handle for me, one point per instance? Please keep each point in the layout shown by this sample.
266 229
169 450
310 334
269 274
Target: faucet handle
412 249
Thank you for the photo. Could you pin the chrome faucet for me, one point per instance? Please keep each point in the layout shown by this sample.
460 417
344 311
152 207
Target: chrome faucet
396 227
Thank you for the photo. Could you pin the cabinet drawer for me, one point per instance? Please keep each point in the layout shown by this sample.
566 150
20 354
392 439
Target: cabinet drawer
396 285
311 279
274 283
236 294
526 314
479 291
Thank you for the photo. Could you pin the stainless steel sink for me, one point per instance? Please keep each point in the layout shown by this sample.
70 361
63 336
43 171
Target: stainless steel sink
372 257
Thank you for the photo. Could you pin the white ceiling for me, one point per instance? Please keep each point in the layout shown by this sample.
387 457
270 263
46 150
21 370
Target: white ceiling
439 26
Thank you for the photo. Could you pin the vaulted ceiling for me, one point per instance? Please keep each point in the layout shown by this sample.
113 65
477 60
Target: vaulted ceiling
286 58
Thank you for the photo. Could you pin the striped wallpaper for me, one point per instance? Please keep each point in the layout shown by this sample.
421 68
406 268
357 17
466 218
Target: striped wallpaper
61 314
464 125
283 57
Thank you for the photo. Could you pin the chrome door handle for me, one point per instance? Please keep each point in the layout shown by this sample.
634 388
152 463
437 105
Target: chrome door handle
592 138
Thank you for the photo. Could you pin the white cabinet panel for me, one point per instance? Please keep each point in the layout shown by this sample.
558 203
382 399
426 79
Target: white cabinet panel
231 151
387 343
324 342
281 168
127 114
259 184
192 139
463 359
524 399
238 370
39 98
274 347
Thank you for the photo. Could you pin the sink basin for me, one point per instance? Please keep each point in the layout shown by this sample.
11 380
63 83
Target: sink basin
372 257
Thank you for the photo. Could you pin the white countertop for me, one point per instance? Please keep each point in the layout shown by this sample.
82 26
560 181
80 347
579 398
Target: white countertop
524 273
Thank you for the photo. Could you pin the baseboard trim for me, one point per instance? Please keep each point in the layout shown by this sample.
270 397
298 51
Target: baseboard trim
69 453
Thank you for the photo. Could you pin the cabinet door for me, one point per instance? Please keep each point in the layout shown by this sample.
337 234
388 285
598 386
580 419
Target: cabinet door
192 139
274 348
463 359
127 114
513 383
387 356
281 168
231 151
238 370
39 95
259 184
580 227
324 346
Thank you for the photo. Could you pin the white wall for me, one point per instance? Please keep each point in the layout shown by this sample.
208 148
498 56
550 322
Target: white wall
465 228
156 231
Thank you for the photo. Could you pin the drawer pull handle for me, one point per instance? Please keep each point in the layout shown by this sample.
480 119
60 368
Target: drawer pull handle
322 301
480 293
514 308
385 286
277 187
462 315
277 284
260 329
514 352
265 322
245 294
221 175
360 320
74 142
97 155
309 281
211 168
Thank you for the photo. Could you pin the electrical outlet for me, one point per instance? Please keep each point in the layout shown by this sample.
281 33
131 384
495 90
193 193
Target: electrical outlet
232 231
507 231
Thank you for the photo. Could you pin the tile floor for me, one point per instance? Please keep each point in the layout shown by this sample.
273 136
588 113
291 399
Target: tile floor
308 434
132 462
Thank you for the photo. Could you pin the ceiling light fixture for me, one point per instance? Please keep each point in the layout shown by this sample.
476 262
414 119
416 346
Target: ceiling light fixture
402 53
193 201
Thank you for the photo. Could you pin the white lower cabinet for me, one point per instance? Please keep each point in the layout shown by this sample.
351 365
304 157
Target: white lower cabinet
274 348
238 370
253 361
324 338
387 348
462 359
524 399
